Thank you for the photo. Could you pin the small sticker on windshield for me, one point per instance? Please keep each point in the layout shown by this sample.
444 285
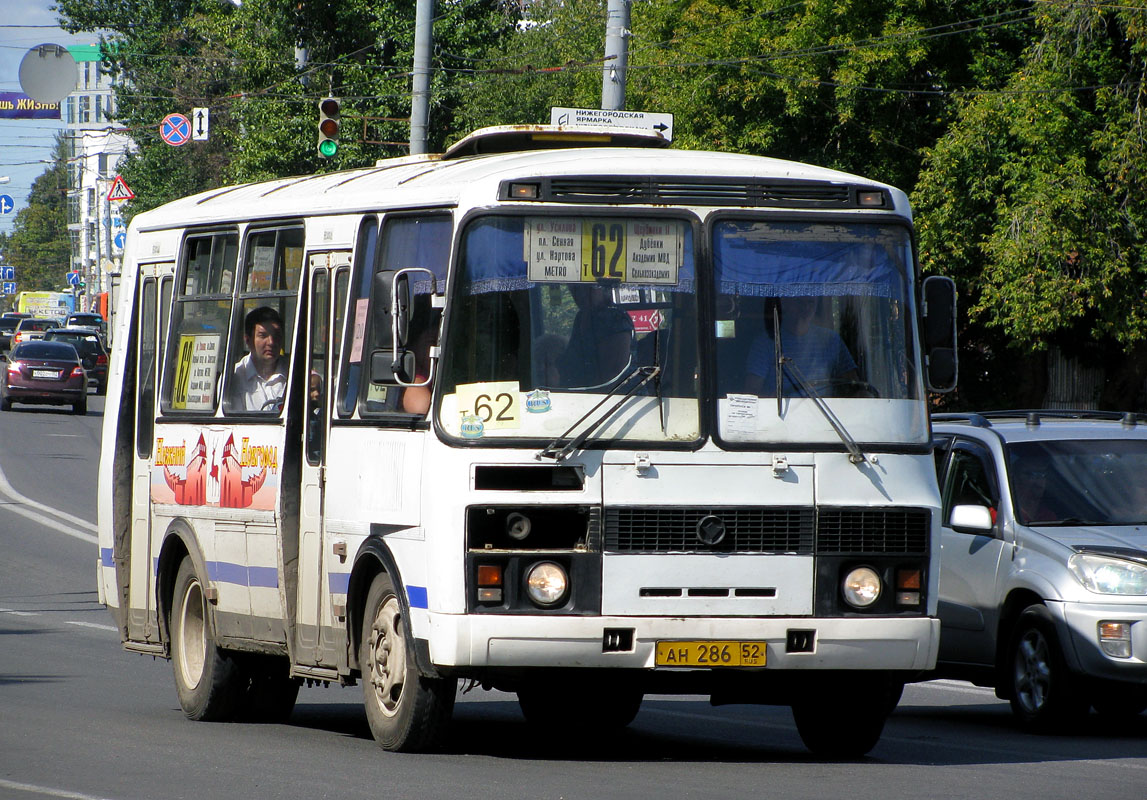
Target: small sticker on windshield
472 427
538 402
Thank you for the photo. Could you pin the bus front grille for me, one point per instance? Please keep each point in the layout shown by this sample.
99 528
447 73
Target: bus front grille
800 531
840 531
742 530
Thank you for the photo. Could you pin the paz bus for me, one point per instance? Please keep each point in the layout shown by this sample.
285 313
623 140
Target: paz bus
561 413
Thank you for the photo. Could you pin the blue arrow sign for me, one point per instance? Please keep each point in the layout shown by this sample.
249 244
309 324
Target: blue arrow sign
73 279
119 239
6 204
7 273
8 288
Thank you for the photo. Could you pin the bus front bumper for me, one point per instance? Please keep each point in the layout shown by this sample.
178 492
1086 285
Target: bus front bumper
792 643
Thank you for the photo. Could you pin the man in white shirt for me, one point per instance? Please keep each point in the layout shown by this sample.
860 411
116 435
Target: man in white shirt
261 376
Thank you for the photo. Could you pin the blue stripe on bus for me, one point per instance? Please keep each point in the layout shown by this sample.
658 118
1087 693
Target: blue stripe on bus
224 572
106 557
339 582
416 595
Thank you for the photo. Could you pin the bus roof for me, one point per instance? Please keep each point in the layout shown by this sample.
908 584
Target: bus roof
437 180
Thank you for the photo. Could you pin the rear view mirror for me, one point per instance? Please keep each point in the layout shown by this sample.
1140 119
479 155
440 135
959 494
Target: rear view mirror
938 312
971 519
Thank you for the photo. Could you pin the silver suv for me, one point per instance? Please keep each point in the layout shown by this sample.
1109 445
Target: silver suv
1043 568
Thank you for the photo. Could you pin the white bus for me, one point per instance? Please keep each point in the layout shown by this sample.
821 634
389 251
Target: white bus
557 413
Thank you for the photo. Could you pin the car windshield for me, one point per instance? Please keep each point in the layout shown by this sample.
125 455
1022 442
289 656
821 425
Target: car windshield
42 349
552 313
1079 481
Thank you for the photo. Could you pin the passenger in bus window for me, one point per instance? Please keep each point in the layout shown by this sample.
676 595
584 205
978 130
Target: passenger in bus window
817 351
260 381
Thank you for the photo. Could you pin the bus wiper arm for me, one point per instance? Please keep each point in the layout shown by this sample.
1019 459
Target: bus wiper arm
854 453
552 450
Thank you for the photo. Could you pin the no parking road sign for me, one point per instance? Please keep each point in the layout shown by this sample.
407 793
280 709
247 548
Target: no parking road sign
175 129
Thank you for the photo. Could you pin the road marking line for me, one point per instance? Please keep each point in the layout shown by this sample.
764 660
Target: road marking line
49 791
95 625
16 613
8 489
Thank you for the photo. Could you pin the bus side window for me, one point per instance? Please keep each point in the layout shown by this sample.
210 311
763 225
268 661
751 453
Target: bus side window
200 317
410 241
264 322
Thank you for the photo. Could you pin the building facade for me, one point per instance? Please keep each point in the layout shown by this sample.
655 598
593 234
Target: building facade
95 150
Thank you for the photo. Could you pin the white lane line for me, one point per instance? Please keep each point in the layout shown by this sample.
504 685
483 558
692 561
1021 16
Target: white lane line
51 523
7 488
49 791
16 613
95 625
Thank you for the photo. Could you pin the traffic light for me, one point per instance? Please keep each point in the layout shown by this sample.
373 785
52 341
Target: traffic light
329 126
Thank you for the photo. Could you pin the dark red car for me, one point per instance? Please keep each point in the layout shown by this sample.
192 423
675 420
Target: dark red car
45 372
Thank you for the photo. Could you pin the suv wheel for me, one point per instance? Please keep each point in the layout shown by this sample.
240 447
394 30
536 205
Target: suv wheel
1043 694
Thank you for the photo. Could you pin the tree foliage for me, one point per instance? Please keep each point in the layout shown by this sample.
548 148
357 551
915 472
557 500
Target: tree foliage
38 245
240 62
1032 198
1016 125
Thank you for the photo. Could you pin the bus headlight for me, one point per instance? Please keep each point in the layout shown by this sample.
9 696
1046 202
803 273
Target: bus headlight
861 587
547 584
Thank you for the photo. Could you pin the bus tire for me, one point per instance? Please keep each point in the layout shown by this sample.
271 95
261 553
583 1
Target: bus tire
1044 694
844 720
208 681
406 711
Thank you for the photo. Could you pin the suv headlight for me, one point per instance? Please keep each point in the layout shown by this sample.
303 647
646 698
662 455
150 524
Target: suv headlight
1108 575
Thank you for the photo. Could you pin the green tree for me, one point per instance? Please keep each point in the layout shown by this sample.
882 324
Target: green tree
38 245
1033 202
240 62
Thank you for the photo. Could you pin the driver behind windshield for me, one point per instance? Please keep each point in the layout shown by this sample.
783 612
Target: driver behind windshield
598 347
818 352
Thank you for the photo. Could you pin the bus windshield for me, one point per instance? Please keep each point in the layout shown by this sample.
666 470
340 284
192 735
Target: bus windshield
810 308
551 313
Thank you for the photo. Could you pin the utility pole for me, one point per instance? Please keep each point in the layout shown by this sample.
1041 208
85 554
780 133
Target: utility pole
616 55
420 101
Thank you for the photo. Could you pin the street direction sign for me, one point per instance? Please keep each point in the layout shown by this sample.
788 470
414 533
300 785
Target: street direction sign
605 118
73 279
8 287
175 129
119 240
6 204
7 273
201 123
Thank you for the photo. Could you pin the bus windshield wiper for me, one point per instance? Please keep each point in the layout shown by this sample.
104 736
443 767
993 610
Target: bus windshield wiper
787 364
556 451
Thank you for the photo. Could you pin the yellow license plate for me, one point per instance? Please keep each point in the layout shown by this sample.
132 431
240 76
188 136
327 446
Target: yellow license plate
710 654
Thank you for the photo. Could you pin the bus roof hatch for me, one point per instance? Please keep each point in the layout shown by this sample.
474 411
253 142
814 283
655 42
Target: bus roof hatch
517 138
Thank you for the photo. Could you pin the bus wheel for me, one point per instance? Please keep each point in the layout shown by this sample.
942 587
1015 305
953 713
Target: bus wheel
208 681
593 707
844 720
406 711
1043 694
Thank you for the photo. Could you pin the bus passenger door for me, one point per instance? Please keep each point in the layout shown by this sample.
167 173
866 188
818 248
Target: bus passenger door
154 299
312 647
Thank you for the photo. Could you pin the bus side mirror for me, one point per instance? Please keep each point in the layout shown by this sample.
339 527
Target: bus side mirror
939 329
385 368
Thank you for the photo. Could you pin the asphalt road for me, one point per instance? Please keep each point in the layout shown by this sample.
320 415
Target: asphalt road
82 719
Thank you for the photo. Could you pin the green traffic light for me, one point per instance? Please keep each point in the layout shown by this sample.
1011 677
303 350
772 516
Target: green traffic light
328 147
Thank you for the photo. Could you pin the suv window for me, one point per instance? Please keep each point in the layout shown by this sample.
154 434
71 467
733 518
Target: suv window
971 479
